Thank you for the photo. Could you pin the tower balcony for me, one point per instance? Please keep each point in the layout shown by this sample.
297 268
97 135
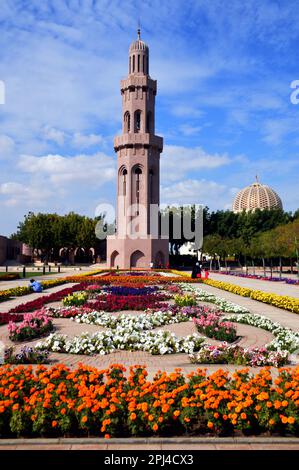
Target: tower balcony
140 139
138 81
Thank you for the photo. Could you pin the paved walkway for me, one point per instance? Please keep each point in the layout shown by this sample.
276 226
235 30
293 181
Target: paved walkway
280 288
7 305
156 443
287 319
54 275
250 337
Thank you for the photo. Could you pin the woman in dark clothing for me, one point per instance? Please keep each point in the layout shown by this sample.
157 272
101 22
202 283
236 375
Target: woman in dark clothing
196 271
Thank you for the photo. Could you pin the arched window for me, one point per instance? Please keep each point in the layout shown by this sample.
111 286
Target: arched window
127 122
133 63
137 124
143 63
147 64
138 66
124 174
138 173
130 64
149 122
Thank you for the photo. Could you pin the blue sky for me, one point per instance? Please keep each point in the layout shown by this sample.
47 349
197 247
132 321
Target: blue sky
224 71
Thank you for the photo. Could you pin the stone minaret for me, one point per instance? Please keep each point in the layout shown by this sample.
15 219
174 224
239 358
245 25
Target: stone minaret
137 241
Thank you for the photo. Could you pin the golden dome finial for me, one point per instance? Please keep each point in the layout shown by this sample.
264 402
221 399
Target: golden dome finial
138 33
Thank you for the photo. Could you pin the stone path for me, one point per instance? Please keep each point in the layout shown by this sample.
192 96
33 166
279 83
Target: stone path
9 304
139 444
287 319
280 288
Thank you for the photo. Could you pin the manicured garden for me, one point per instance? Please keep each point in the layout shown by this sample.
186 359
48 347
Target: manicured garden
137 312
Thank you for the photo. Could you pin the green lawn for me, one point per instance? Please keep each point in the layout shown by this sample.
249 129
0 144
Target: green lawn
31 274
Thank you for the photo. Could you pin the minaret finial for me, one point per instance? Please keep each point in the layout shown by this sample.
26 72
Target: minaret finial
257 178
139 29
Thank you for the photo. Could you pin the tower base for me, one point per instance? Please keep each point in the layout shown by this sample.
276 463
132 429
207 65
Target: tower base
126 253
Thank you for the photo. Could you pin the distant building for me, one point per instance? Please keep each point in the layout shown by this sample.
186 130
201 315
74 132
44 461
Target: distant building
13 250
256 196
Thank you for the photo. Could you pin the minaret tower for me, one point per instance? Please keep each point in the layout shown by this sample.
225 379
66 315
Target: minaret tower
137 241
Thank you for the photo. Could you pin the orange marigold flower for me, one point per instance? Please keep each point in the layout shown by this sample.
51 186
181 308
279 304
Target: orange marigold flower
284 419
155 427
210 425
187 420
150 417
54 424
271 422
284 403
176 413
133 416
216 415
291 420
107 436
243 415
84 419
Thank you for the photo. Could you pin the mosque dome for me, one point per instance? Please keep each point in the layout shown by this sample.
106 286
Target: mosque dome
256 196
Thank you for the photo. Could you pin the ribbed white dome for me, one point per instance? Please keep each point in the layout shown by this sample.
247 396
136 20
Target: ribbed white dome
256 196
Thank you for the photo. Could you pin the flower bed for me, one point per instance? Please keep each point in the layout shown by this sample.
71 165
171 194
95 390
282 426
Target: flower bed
9 276
7 317
89 402
114 303
262 278
213 327
119 338
27 355
126 290
66 312
19 291
234 354
34 325
75 300
223 304
285 339
185 300
45 299
280 301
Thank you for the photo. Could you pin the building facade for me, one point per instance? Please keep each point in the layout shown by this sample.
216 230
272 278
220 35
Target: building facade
137 241
13 250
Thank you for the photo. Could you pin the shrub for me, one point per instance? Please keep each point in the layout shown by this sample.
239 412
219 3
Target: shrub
34 325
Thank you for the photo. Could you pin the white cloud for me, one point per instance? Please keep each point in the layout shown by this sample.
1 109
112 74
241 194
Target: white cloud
85 141
178 161
192 191
95 169
18 193
55 135
7 146
188 129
